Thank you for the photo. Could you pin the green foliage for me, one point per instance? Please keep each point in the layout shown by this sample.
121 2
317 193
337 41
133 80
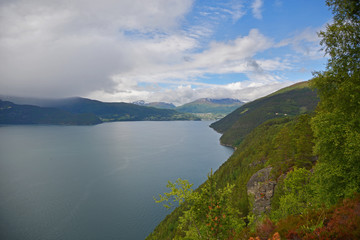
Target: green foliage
279 143
209 213
293 146
336 129
296 194
180 191
337 122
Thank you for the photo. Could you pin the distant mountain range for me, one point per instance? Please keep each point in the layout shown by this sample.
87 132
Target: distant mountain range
80 111
209 105
83 111
11 113
205 108
290 101
162 105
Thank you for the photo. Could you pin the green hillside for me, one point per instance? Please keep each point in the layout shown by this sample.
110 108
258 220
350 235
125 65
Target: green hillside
283 141
291 101
291 177
208 105
11 113
254 153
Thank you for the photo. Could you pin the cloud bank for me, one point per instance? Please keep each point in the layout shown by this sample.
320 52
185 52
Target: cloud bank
126 50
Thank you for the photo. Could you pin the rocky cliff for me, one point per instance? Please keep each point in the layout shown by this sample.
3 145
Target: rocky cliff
260 188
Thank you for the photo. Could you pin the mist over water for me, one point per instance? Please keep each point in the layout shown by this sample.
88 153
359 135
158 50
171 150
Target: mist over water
97 182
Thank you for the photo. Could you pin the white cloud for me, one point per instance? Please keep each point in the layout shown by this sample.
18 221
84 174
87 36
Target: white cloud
237 56
257 8
305 42
246 91
237 11
176 66
74 47
241 48
126 50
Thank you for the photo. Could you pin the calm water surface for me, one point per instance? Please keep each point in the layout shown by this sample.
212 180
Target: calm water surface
97 182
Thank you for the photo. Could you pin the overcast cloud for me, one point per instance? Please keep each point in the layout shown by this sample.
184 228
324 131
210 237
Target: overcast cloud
127 50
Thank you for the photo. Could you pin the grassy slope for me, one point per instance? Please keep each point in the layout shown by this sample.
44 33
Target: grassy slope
294 100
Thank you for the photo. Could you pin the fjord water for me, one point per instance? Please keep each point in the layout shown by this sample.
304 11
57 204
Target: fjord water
97 182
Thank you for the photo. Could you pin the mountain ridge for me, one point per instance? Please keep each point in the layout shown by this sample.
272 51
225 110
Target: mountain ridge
11 113
106 112
296 99
211 105
162 105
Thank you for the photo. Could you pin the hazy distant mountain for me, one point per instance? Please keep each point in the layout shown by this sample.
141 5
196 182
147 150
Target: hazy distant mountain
162 105
119 111
11 113
115 111
40 102
209 105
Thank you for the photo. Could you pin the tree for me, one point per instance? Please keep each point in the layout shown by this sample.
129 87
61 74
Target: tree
337 122
303 136
295 198
209 213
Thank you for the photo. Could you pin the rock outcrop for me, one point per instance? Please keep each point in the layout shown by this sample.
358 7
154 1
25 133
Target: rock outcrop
261 188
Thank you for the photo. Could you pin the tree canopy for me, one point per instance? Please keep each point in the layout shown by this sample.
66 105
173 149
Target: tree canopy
337 122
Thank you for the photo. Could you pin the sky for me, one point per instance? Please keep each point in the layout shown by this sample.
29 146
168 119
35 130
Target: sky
158 50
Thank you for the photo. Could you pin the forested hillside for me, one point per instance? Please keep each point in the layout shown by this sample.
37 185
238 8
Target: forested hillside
11 113
294 177
283 143
294 100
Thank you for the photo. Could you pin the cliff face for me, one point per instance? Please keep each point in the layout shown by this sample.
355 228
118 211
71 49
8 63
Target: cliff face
260 189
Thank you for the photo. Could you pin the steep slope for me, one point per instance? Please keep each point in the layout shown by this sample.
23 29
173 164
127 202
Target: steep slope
256 152
294 100
11 113
275 141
